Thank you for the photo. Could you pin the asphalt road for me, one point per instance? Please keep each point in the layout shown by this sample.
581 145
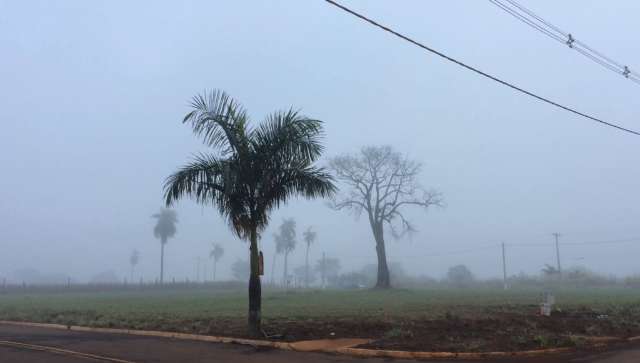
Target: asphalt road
148 349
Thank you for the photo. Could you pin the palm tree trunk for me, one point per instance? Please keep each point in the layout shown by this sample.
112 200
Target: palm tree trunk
286 272
273 269
132 266
163 241
215 265
383 281
255 293
306 268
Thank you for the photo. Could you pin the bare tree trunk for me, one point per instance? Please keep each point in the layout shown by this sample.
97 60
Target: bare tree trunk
255 293
306 271
132 266
163 241
383 281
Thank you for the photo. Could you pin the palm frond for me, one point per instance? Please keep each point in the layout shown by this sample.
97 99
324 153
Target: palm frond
309 182
309 235
166 225
219 120
203 179
289 135
258 169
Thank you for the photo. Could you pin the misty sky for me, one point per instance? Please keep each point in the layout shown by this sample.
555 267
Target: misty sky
92 95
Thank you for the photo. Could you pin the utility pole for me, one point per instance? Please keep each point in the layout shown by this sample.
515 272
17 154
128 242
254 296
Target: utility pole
504 268
557 235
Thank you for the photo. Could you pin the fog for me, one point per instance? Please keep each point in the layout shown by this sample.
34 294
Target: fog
92 95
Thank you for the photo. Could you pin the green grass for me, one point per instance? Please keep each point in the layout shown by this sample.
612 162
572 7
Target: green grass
203 304
440 319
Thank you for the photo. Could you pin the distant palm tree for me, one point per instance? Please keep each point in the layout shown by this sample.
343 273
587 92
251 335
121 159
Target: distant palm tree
216 253
165 228
285 244
309 237
133 260
273 265
252 172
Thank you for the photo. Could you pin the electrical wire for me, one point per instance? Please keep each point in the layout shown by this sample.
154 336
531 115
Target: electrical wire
532 19
527 21
476 70
550 243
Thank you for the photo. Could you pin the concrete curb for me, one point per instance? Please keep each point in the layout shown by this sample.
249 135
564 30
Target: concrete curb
338 346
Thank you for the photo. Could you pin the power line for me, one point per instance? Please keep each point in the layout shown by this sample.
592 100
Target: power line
473 69
547 28
626 240
605 242
460 252
531 13
479 248
527 21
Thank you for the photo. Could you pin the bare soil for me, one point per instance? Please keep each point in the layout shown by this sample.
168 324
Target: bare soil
442 320
493 331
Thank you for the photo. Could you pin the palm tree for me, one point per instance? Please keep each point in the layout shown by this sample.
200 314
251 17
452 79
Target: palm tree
165 228
273 265
216 253
133 260
252 171
285 244
309 237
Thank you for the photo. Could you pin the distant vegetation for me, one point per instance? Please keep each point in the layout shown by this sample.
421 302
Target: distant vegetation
240 270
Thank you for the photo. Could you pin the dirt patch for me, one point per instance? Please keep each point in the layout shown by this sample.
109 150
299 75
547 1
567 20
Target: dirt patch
504 332
510 328
507 331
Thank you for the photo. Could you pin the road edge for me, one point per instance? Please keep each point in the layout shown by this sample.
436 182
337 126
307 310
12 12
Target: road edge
302 346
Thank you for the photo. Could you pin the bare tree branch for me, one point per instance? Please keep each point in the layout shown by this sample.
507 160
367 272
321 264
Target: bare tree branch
381 182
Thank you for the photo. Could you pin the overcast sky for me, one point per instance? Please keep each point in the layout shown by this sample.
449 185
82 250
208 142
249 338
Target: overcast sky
92 95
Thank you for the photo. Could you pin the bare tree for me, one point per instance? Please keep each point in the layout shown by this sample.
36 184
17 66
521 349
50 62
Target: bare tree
381 182
309 237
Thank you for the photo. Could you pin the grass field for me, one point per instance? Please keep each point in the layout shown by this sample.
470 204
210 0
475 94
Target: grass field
458 319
